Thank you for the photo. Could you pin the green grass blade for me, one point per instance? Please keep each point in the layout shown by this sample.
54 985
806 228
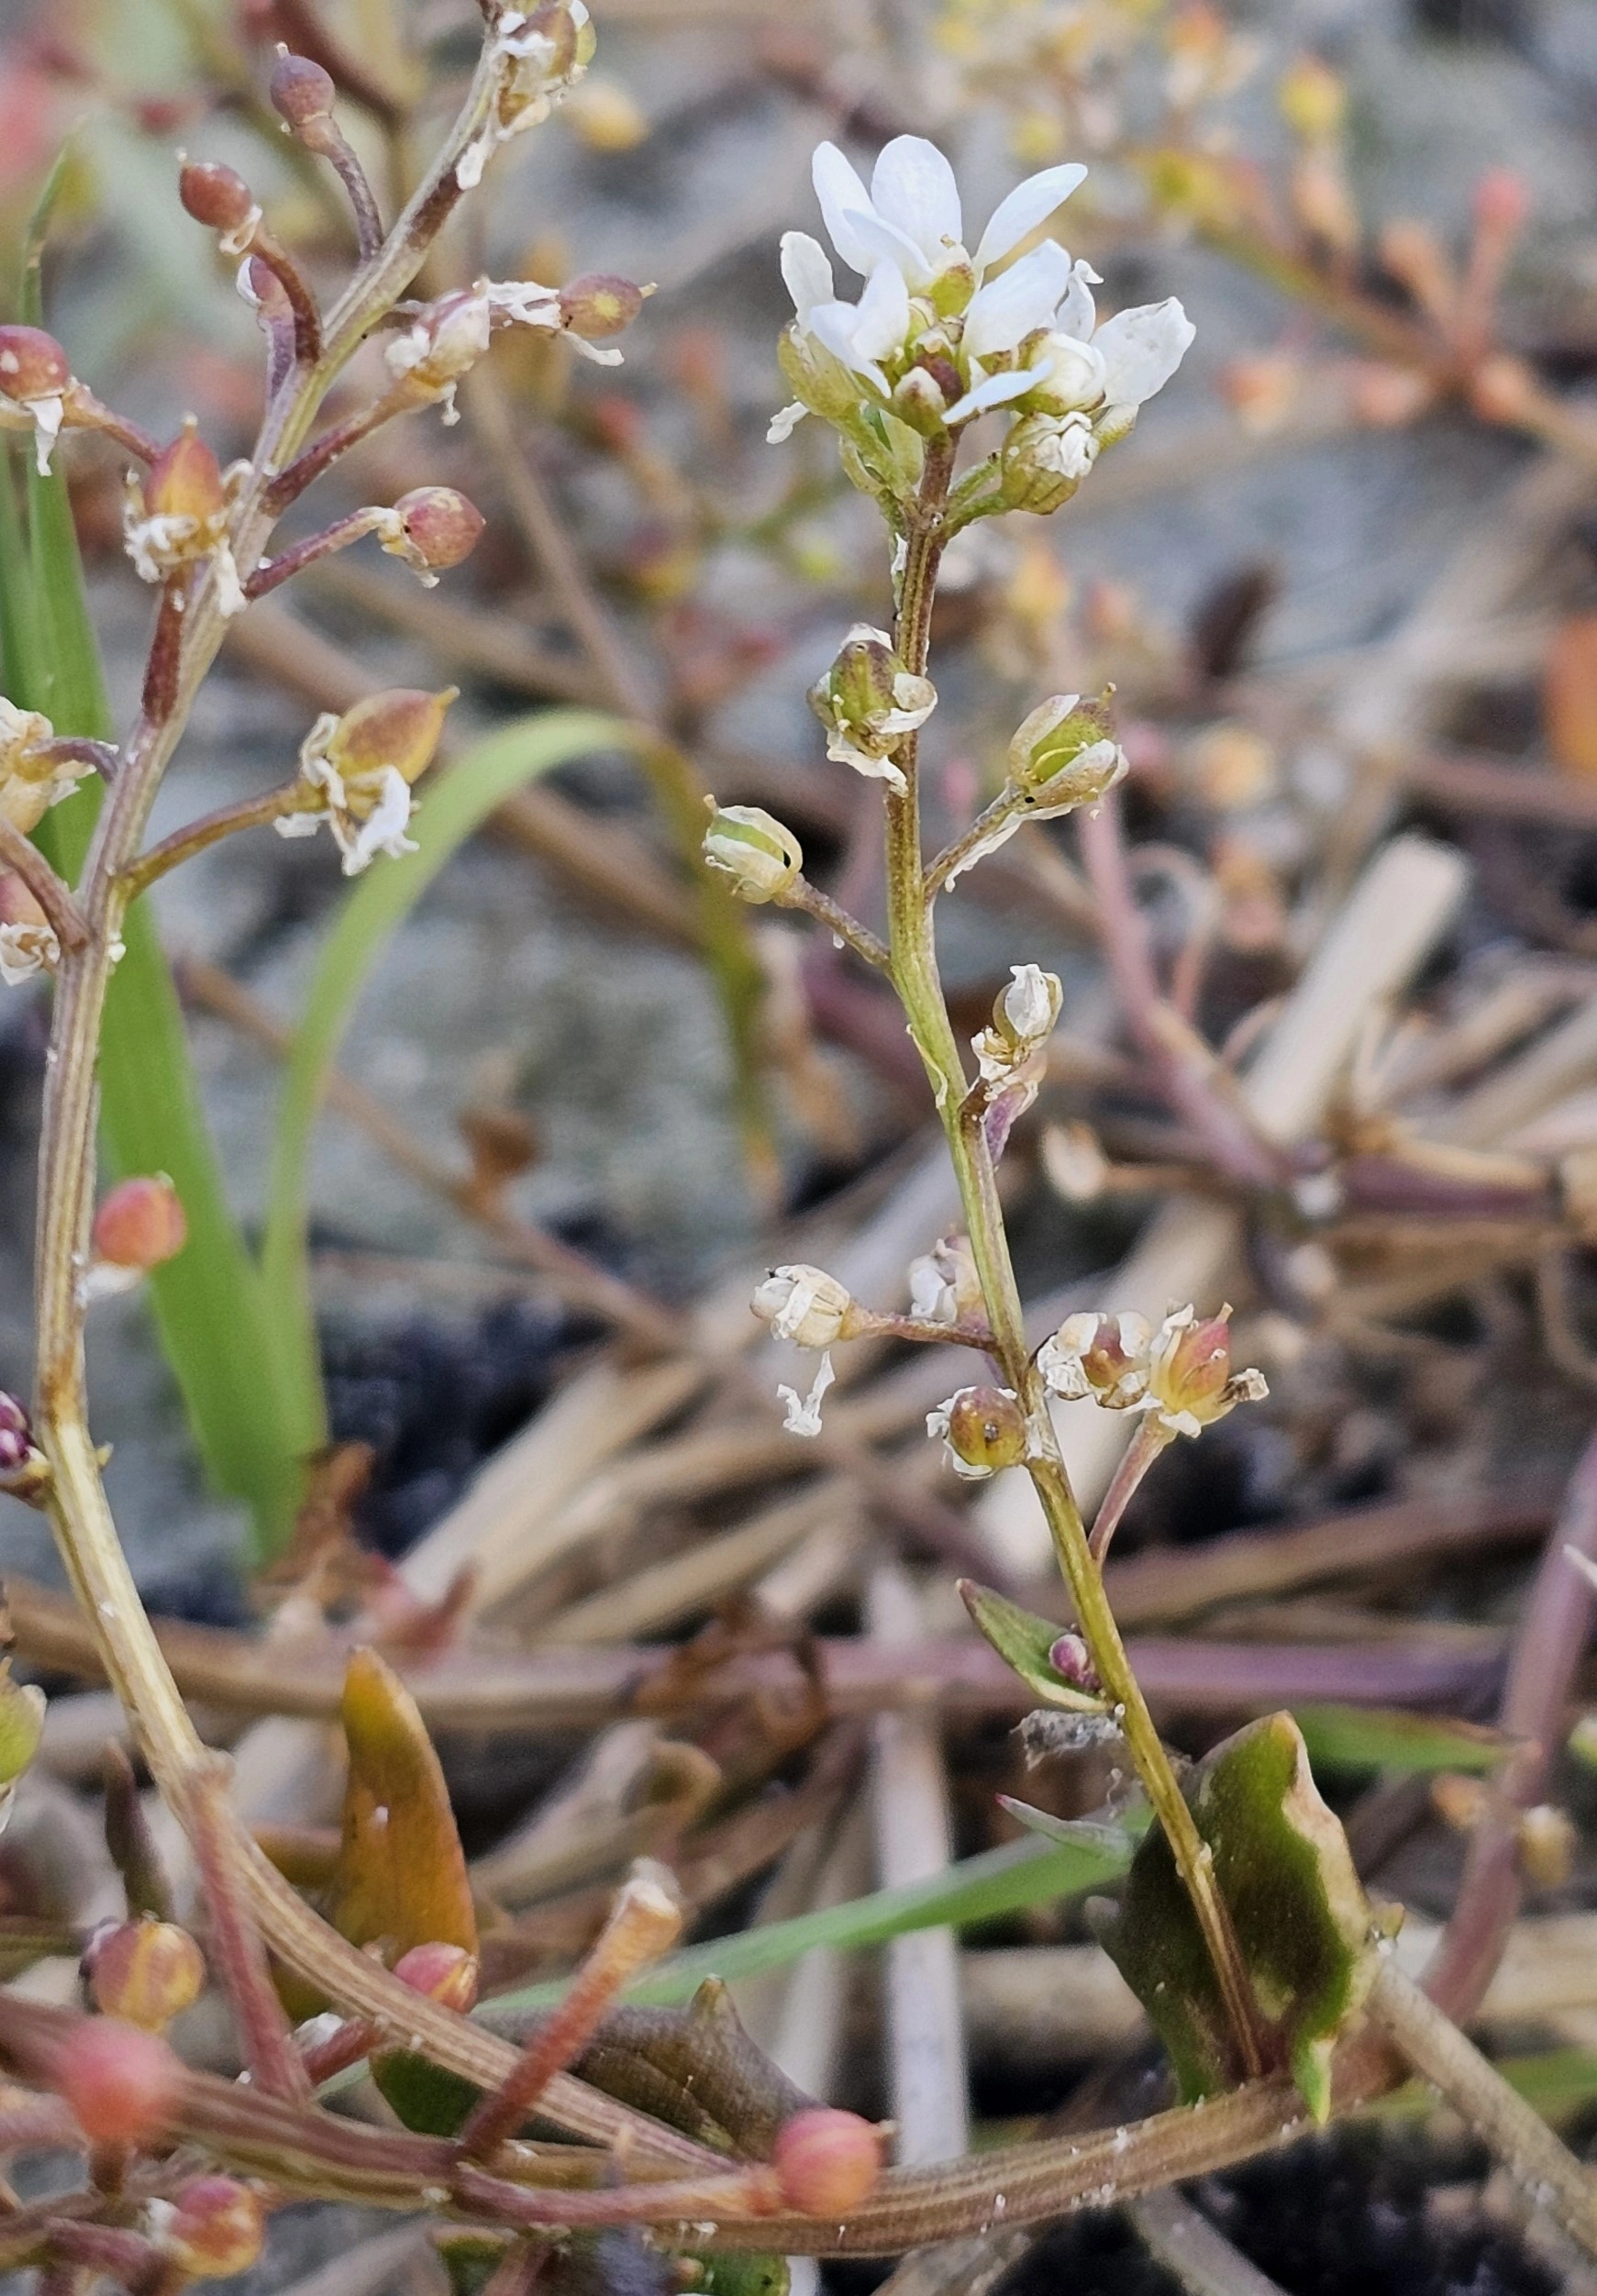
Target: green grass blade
456 805
1003 1880
1391 1738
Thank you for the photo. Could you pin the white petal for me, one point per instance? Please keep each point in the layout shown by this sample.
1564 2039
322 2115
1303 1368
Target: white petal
47 422
884 242
803 1417
1077 314
833 325
298 825
1018 301
840 192
1028 204
995 390
1141 350
883 317
382 831
1075 373
598 354
913 188
806 272
785 421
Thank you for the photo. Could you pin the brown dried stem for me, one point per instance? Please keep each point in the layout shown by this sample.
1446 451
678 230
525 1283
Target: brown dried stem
23 857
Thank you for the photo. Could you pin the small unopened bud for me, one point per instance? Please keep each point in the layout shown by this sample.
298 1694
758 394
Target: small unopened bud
1546 1841
185 481
141 1224
400 728
753 849
1027 1009
828 2162
16 1435
1063 755
217 196
441 525
1313 99
983 1429
1070 1657
444 1973
32 364
300 91
1044 460
145 1971
598 304
805 1304
122 2085
216 2229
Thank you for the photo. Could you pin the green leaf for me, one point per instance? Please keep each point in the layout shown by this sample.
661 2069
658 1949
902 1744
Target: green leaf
1387 1738
1024 1642
455 804
1284 1868
742 2276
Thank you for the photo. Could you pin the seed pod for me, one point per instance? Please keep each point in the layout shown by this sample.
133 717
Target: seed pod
758 853
444 1973
441 525
301 90
140 1223
828 2162
145 1971
32 364
1064 754
986 1429
216 2229
185 481
215 194
122 2085
399 728
599 303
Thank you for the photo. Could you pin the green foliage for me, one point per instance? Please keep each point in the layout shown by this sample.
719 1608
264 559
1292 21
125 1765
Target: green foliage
1286 1875
1024 1642
1385 1737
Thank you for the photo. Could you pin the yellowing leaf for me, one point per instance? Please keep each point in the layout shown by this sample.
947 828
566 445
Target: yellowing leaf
402 1873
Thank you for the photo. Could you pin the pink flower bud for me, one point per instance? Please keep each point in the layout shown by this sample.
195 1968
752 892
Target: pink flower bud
441 526
122 2085
828 2162
1070 1658
140 1223
145 1971
301 90
215 194
32 364
217 2228
444 1973
185 481
16 1435
599 303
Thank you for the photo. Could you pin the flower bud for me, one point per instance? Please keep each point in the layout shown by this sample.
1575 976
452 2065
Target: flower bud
983 1429
441 525
1070 1657
753 849
868 701
805 1304
828 2162
185 481
1027 1009
400 728
1104 1356
217 196
16 1435
32 364
122 2085
216 2228
141 1224
444 1973
1546 1842
145 1971
1044 460
599 303
1313 99
300 91
1191 1382
1063 755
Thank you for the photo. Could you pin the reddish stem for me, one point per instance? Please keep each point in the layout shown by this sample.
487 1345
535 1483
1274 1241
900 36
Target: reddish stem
237 1952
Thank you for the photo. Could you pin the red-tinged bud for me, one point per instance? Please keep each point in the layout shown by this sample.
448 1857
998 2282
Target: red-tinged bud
140 1223
441 526
16 1435
216 2230
145 1971
32 364
185 481
301 90
122 2085
400 728
599 303
215 194
1502 202
1070 1657
444 1973
828 2162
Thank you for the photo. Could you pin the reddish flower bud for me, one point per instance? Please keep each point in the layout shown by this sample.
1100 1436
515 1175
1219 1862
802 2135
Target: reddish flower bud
444 1973
217 2228
185 481
140 1223
828 2162
301 90
145 1971
441 525
599 303
122 2084
16 1435
215 194
400 728
32 364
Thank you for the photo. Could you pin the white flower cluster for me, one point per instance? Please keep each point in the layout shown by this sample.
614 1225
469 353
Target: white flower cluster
939 335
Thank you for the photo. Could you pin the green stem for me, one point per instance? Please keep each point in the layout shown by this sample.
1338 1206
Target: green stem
914 972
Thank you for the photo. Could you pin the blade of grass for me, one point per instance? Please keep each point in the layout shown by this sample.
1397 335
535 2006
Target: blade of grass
456 805
205 1301
1388 1738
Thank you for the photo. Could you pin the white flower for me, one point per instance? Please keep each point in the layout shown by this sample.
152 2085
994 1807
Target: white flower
1102 1356
803 1413
1030 1004
1123 364
803 1304
368 813
911 217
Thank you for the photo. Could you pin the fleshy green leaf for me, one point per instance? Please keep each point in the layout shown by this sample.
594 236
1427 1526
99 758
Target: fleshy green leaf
1284 1868
1382 1737
1024 1642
